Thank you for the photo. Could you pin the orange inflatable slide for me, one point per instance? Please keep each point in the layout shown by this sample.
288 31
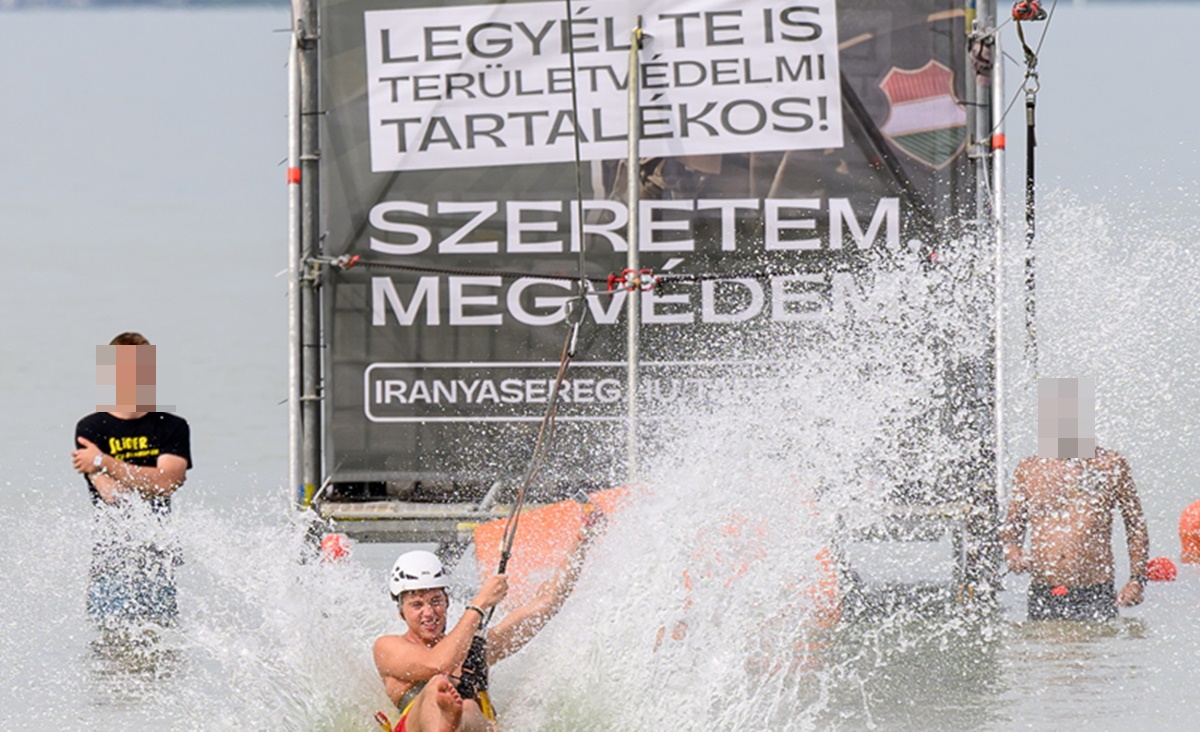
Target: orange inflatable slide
545 535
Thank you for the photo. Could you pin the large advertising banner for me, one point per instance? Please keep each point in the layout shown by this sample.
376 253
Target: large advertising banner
492 84
474 161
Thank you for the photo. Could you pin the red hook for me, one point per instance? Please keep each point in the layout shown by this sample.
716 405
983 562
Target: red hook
642 280
1028 10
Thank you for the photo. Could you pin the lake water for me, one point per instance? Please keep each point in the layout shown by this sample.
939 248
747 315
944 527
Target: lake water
141 187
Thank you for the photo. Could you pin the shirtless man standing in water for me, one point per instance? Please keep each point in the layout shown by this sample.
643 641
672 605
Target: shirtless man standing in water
1065 496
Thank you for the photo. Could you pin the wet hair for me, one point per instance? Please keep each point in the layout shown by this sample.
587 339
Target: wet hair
400 598
129 338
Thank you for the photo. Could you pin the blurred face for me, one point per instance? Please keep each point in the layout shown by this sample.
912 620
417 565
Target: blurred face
1067 418
131 370
425 613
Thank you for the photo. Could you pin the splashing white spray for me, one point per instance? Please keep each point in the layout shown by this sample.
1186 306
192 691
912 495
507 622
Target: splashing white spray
704 604
264 639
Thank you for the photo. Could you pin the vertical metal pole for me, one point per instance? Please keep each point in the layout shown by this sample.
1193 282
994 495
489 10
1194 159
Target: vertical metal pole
987 97
306 33
988 92
293 269
998 150
998 235
1031 348
633 194
977 114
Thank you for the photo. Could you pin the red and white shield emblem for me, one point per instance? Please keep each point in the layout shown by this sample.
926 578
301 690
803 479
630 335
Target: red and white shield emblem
926 119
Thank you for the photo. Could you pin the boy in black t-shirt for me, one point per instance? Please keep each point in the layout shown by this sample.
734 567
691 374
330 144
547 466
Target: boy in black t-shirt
133 458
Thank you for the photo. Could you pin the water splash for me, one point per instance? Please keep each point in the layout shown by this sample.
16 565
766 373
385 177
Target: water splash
706 604
1118 300
266 638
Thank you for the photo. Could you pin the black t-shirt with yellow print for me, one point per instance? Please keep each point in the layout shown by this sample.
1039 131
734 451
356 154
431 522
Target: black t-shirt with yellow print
137 441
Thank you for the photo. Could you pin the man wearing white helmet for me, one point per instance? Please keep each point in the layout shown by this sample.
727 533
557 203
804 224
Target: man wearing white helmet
438 679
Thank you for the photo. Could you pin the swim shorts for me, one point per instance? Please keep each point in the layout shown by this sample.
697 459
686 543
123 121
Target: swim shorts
131 585
1087 602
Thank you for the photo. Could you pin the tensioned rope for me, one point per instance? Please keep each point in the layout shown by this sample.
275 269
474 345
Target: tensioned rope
1024 11
1036 13
575 313
1031 10
476 659
545 437
643 279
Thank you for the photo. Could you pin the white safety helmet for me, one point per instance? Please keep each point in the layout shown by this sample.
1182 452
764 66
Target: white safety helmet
417 570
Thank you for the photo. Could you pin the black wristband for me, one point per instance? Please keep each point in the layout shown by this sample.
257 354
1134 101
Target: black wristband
1141 579
482 614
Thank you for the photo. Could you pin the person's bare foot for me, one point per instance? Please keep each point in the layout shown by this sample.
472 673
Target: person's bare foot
449 703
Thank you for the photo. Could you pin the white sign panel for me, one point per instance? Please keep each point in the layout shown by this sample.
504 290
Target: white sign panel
483 85
470 391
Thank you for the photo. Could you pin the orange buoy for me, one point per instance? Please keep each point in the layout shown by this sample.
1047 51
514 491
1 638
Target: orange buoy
334 548
1161 569
819 591
1189 534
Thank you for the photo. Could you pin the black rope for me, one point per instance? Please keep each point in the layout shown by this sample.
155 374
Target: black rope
1030 53
711 276
619 283
503 274
1031 86
578 158
613 283
545 437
